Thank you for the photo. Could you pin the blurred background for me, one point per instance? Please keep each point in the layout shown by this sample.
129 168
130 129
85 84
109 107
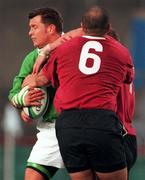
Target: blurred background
16 137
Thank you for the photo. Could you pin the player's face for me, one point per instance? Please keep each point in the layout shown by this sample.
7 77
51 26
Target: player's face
39 32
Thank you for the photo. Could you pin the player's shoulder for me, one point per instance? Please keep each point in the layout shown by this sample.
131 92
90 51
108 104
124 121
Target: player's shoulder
66 45
74 42
117 44
31 56
32 53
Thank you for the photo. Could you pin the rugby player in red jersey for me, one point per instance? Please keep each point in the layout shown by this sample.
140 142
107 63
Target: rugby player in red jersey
125 99
88 72
125 112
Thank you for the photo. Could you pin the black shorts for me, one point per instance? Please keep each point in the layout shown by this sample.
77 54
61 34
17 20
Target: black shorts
130 145
91 139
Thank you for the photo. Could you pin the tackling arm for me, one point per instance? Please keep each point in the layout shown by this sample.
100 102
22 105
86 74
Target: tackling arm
35 80
44 54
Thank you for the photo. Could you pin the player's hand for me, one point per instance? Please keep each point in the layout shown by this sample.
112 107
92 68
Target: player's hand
44 54
38 63
33 97
30 81
26 118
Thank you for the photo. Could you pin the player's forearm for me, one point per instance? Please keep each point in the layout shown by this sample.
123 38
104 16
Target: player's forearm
67 36
18 99
45 51
41 80
15 101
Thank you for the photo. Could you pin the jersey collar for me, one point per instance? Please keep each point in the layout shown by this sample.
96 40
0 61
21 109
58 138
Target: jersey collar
94 37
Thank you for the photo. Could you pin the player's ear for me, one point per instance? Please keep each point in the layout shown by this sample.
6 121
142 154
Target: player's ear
51 28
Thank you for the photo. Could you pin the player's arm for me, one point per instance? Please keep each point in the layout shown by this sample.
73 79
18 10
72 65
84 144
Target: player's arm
16 88
130 71
44 54
47 74
65 37
16 94
130 74
35 80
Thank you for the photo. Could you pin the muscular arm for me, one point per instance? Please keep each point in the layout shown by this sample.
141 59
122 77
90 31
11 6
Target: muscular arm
15 94
26 68
35 80
44 54
65 37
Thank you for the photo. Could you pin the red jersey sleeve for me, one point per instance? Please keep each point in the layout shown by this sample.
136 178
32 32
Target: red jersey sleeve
130 72
49 70
125 106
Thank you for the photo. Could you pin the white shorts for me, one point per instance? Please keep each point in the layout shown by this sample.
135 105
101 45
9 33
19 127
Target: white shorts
46 149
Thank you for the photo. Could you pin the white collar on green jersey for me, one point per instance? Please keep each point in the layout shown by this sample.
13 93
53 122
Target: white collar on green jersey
39 50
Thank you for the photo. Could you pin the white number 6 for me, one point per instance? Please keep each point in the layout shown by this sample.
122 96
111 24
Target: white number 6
85 55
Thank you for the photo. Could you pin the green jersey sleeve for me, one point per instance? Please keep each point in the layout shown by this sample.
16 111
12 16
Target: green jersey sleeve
26 69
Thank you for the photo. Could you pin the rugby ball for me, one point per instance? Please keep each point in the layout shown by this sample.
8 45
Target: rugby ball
35 112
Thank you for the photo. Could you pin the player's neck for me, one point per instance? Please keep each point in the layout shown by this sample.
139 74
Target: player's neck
54 37
96 32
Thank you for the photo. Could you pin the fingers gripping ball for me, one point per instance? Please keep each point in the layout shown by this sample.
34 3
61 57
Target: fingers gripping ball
35 112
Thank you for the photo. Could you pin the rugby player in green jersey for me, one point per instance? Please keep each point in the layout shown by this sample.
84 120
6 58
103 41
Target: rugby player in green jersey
44 160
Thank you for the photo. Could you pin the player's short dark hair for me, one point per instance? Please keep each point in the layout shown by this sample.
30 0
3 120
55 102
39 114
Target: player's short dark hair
49 16
96 21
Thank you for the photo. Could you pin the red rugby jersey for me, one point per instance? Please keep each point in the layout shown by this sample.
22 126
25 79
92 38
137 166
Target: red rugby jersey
125 106
89 72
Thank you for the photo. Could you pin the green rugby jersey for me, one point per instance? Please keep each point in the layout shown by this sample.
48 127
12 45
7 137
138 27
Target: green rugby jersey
26 69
